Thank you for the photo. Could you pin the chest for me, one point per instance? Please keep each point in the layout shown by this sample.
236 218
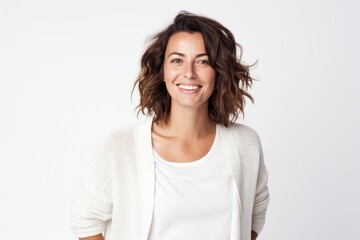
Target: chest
199 192
179 150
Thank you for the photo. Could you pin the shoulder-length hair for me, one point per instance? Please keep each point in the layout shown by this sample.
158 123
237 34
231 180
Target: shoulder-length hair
232 77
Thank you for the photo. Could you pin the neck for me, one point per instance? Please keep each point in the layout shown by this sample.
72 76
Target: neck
189 123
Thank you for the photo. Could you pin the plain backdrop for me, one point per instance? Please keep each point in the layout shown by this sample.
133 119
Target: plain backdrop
67 70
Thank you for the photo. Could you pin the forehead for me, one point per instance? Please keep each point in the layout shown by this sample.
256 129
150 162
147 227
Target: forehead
185 41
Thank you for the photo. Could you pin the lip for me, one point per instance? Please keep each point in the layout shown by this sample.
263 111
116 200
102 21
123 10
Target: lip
189 88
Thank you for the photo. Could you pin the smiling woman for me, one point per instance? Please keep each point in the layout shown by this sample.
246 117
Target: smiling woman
221 54
189 171
188 76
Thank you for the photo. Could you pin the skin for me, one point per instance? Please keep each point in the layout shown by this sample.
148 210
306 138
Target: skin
97 237
253 235
189 132
186 63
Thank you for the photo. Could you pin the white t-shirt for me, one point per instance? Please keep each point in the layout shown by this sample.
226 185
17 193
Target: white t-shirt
193 200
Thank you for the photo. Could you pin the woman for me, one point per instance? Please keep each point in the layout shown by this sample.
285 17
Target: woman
188 172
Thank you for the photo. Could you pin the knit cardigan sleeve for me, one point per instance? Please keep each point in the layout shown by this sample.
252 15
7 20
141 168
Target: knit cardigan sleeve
92 206
261 200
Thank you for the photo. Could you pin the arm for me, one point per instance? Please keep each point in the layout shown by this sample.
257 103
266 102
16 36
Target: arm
97 237
261 200
92 206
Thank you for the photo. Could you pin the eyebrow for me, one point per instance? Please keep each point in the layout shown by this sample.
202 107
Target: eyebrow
183 55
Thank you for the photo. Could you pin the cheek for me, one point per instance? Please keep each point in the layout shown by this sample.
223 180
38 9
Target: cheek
170 74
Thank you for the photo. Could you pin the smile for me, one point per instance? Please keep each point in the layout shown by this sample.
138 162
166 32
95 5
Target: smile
188 87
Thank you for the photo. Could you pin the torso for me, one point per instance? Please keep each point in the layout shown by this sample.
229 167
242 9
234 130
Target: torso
187 202
176 149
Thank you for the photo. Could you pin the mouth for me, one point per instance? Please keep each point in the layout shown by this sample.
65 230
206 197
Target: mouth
189 88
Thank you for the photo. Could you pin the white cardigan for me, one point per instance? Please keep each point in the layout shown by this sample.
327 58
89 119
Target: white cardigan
119 184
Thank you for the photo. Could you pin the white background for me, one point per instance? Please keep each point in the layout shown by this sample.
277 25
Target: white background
67 69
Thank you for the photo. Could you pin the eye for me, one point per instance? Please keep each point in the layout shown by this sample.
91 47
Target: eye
176 60
203 62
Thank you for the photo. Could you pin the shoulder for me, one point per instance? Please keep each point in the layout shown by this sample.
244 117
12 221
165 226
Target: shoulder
241 132
243 129
122 137
241 137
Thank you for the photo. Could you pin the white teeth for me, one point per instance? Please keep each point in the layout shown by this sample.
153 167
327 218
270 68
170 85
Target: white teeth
188 87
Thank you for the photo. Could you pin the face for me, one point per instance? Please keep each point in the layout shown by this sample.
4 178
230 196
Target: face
188 76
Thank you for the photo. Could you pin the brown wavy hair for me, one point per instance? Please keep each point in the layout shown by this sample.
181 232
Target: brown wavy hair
232 77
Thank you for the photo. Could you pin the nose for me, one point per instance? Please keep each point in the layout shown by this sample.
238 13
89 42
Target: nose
189 71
